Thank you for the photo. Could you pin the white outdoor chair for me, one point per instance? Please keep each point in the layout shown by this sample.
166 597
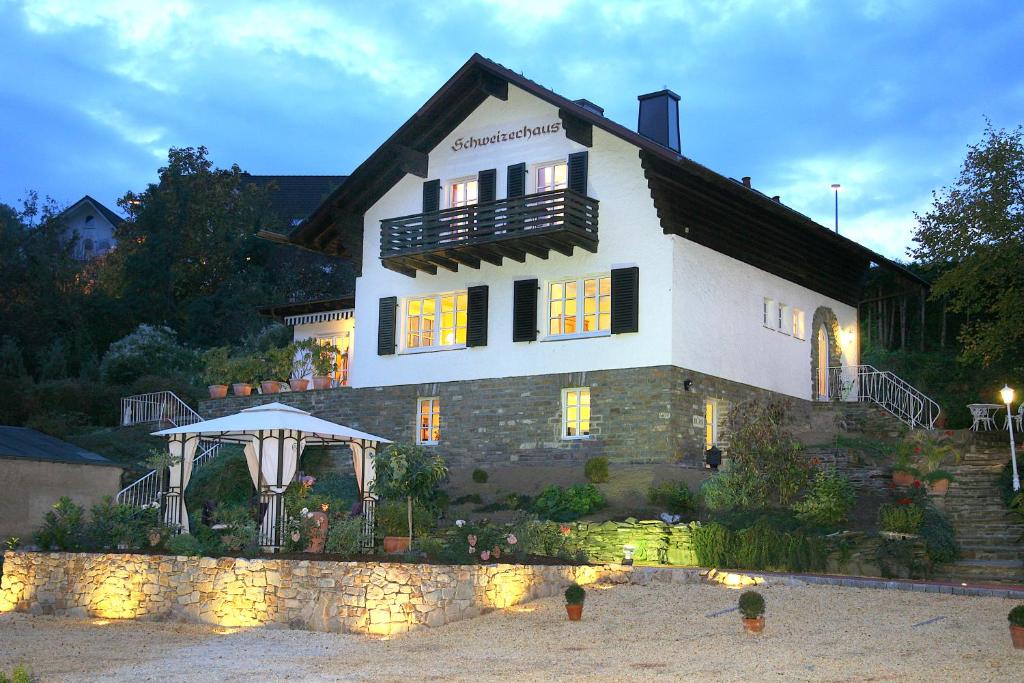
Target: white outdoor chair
1017 419
981 418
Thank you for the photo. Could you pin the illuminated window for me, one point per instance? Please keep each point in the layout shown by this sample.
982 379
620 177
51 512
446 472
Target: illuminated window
798 324
552 177
436 321
580 307
342 342
710 423
462 193
575 413
428 420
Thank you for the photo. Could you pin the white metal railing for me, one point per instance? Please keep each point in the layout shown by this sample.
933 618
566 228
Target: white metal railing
149 488
887 390
158 406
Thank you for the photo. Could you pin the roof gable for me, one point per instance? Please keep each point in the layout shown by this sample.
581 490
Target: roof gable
108 215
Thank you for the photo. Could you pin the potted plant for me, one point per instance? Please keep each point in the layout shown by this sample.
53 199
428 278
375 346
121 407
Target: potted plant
216 372
752 611
1016 618
903 471
937 481
574 597
933 450
323 359
277 368
410 473
244 372
302 366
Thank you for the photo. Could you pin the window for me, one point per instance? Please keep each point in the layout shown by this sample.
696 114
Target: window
575 413
343 342
580 307
436 321
462 193
552 176
428 420
710 423
767 316
782 318
798 324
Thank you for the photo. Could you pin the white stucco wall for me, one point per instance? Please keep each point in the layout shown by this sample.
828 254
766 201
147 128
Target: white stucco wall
99 230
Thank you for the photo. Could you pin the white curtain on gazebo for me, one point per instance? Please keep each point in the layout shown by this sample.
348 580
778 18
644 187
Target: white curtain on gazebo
265 453
183 451
363 458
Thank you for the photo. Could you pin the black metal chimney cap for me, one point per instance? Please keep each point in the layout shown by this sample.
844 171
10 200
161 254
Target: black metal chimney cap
658 118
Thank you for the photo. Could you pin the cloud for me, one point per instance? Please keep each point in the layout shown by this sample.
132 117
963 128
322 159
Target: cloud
129 130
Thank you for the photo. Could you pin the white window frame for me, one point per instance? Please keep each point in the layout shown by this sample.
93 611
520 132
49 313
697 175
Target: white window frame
340 375
767 312
578 392
449 199
782 317
799 324
537 168
581 301
713 426
438 330
433 426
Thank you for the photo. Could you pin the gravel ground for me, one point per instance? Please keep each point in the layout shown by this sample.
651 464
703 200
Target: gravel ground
632 633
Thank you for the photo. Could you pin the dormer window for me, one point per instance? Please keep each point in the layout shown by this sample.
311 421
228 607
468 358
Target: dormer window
553 176
88 219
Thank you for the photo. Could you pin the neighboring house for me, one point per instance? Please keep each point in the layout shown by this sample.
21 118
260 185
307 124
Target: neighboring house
293 197
37 470
93 224
539 283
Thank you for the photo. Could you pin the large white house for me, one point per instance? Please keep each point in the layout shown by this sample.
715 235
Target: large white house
92 225
537 282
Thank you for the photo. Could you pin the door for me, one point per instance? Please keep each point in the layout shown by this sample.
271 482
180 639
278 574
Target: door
822 379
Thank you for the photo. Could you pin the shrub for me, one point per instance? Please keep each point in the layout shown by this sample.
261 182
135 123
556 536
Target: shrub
391 518
12 361
63 527
480 476
185 544
575 595
1016 616
113 526
767 459
411 473
225 479
341 489
900 518
730 489
344 535
751 604
829 500
939 537
565 505
468 498
216 368
711 544
242 532
150 349
673 496
761 546
547 539
19 675
596 470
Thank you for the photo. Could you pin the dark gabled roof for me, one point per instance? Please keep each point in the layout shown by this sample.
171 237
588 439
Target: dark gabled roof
111 216
692 201
294 197
316 306
28 444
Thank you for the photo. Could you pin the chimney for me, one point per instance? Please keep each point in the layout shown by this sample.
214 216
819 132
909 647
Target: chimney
659 118
590 106
746 181
777 199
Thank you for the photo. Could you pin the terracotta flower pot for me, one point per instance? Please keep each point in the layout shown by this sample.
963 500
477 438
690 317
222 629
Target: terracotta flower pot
270 386
396 544
1017 636
322 382
241 389
939 487
218 390
901 478
298 384
755 625
575 612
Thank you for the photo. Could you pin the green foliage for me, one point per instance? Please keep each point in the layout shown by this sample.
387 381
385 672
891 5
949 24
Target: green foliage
216 365
277 363
761 546
315 358
344 535
113 526
711 544
224 480
547 539
391 518
63 527
829 500
932 449
939 537
242 532
480 476
342 490
411 473
185 544
245 369
1016 616
897 559
468 498
938 475
575 595
12 362
751 604
20 675
12 543
596 470
148 350
673 496
731 489
900 518
565 505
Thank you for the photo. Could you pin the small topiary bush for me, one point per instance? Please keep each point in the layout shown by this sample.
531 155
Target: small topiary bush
1016 616
575 595
903 518
565 505
480 476
673 496
751 605
596 470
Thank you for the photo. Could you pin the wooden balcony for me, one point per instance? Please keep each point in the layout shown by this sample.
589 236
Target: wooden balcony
536 224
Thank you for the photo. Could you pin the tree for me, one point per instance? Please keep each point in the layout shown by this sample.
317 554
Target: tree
974 232
408 472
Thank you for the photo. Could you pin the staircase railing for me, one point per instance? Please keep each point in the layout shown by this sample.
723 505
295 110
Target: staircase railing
885 389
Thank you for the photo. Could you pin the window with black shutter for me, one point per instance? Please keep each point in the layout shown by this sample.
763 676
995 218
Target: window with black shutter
487 185
431 196
476 316
386 320
516 180
578 172
625 300
524 311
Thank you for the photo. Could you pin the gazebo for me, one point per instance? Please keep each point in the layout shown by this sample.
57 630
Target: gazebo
273 437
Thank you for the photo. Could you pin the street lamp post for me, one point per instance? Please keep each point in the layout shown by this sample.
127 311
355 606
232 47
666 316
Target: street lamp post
1007 395
835 187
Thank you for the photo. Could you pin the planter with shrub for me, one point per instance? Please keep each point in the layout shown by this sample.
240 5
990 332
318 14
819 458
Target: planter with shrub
938 481
574 598
752 611
244 372
317 359
277 368
216 371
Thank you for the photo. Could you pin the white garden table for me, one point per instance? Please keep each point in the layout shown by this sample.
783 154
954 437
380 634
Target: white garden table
984 415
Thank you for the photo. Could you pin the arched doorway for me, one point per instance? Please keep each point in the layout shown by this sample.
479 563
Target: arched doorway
822 377
825 352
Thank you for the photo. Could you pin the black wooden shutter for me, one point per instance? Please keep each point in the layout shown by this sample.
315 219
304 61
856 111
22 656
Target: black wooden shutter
431 196
487 182
516 186
476 316
524 311
578 172
386 320
625 300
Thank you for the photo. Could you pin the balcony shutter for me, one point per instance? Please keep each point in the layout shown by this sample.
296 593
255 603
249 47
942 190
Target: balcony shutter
625 300
431 196
524 311
386 320
516 180
476 316
578 172
487 185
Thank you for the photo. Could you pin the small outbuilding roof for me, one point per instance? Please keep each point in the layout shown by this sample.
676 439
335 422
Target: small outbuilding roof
22 442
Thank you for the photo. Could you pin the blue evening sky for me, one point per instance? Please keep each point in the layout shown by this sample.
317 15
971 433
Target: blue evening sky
880 96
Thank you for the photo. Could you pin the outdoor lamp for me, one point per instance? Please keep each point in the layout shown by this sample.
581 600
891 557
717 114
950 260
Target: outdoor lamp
627 552
1006 393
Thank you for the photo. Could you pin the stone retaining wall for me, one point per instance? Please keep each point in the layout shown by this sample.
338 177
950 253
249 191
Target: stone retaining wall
654 541
358 597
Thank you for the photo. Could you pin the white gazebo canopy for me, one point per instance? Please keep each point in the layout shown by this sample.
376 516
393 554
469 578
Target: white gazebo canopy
273 436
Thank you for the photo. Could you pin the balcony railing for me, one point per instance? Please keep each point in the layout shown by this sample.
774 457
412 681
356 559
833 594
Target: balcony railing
536 224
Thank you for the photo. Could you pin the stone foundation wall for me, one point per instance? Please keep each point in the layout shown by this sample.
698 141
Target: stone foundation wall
375 598
639 415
